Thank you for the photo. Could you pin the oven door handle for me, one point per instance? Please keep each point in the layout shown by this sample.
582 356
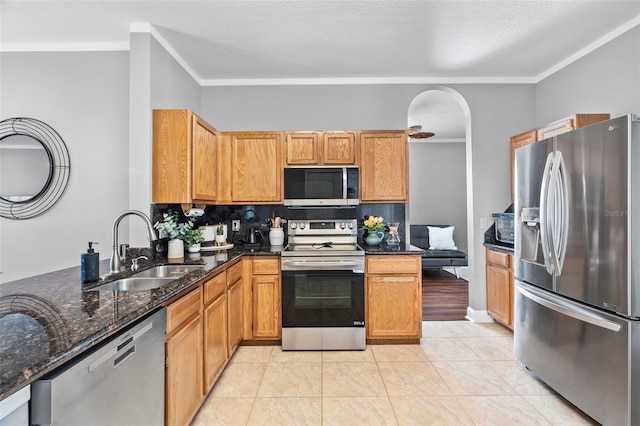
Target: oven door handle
322 263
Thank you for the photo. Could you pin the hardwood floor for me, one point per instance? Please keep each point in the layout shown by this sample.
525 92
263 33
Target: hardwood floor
444 297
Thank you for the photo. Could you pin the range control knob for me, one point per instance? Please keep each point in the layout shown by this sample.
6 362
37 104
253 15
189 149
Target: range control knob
293 225
351 225
302 225
343 225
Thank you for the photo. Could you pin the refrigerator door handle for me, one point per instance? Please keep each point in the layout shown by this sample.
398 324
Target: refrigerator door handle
562 213
568 309
544 214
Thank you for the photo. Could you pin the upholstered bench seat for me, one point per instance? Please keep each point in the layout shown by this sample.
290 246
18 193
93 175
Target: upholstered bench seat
435 258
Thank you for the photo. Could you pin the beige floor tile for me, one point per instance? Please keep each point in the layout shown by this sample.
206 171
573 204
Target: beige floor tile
286 411
519 378
491 348
501 411
253 353
559 411
398 353
357 411
278 355
429 410
351 379
224 411
465 329
240 379
436 329
292 379
493 329
447 349
412 378
472 378
348 356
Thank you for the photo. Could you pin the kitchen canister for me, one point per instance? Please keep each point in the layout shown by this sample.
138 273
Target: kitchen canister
276 236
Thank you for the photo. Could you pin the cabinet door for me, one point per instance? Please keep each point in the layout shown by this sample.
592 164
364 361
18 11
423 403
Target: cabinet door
171 156
266 307
499 294
234 315
383 166
394 306
302 148
339 148
184 373
215 340
205 172
257 167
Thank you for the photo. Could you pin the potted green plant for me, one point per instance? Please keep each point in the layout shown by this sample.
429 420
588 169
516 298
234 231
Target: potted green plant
192 240
220 238
171 227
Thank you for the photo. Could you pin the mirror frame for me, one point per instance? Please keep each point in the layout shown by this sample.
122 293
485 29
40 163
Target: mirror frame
59 171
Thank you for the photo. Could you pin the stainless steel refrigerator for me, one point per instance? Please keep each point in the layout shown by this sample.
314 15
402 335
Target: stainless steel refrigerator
577 270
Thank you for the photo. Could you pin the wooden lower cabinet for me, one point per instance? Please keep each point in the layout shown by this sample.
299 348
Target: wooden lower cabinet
393 304
215 340
266 301
183 349
500 286
234 315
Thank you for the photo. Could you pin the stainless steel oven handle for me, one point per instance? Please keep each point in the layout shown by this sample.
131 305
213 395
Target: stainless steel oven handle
315 263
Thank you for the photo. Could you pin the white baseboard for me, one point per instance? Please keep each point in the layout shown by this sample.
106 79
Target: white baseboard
477 315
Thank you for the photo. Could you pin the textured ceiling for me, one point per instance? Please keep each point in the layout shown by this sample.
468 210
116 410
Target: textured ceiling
338 39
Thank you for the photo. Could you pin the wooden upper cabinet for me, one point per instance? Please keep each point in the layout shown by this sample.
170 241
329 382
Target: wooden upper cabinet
339 148
205 160
383 166
254 170
302 148
320 148
184 158
569 123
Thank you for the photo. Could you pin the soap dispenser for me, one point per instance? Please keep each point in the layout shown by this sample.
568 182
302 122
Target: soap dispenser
89 265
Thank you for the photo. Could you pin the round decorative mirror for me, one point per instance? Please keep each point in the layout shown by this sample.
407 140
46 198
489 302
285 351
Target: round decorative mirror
34 168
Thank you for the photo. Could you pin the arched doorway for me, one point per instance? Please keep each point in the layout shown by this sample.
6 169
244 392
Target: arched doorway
440 168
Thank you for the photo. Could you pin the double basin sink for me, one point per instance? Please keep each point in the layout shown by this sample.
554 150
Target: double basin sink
149 279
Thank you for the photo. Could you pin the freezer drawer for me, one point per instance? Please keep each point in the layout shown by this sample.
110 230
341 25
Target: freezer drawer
584 354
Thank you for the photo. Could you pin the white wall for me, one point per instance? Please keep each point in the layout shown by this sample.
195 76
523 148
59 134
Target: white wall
438 187
83 96
157 82
605 81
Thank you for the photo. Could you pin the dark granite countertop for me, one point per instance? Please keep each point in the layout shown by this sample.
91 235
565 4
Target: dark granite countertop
48 319
387 249
499 246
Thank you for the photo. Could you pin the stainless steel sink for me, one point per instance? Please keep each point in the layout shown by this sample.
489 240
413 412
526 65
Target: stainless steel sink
135 284
173 271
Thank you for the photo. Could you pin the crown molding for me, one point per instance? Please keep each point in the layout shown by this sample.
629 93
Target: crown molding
63 47
629 25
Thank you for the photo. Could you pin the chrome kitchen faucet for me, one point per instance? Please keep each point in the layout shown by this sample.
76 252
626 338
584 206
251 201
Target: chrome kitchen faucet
114 264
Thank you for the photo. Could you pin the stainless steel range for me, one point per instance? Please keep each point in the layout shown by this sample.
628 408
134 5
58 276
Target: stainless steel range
323 286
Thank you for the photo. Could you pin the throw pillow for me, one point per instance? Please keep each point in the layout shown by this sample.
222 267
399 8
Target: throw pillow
441 238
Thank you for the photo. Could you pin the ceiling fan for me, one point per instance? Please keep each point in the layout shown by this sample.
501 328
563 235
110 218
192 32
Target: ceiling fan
415 132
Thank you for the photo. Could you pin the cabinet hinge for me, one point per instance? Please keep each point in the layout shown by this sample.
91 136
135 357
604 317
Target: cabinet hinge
166 362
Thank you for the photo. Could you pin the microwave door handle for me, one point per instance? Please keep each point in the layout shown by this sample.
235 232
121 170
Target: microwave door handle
344 183
544 214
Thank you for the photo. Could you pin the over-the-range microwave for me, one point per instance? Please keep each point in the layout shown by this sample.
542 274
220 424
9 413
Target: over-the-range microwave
321 186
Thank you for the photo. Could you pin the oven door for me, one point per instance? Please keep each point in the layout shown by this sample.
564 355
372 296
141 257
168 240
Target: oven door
322 298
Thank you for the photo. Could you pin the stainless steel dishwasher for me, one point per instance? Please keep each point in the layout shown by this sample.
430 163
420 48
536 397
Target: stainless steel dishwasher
119 383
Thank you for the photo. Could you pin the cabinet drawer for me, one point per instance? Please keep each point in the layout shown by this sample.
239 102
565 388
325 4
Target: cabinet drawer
214 287
498 258
268 266
234 273
393 265
182 310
